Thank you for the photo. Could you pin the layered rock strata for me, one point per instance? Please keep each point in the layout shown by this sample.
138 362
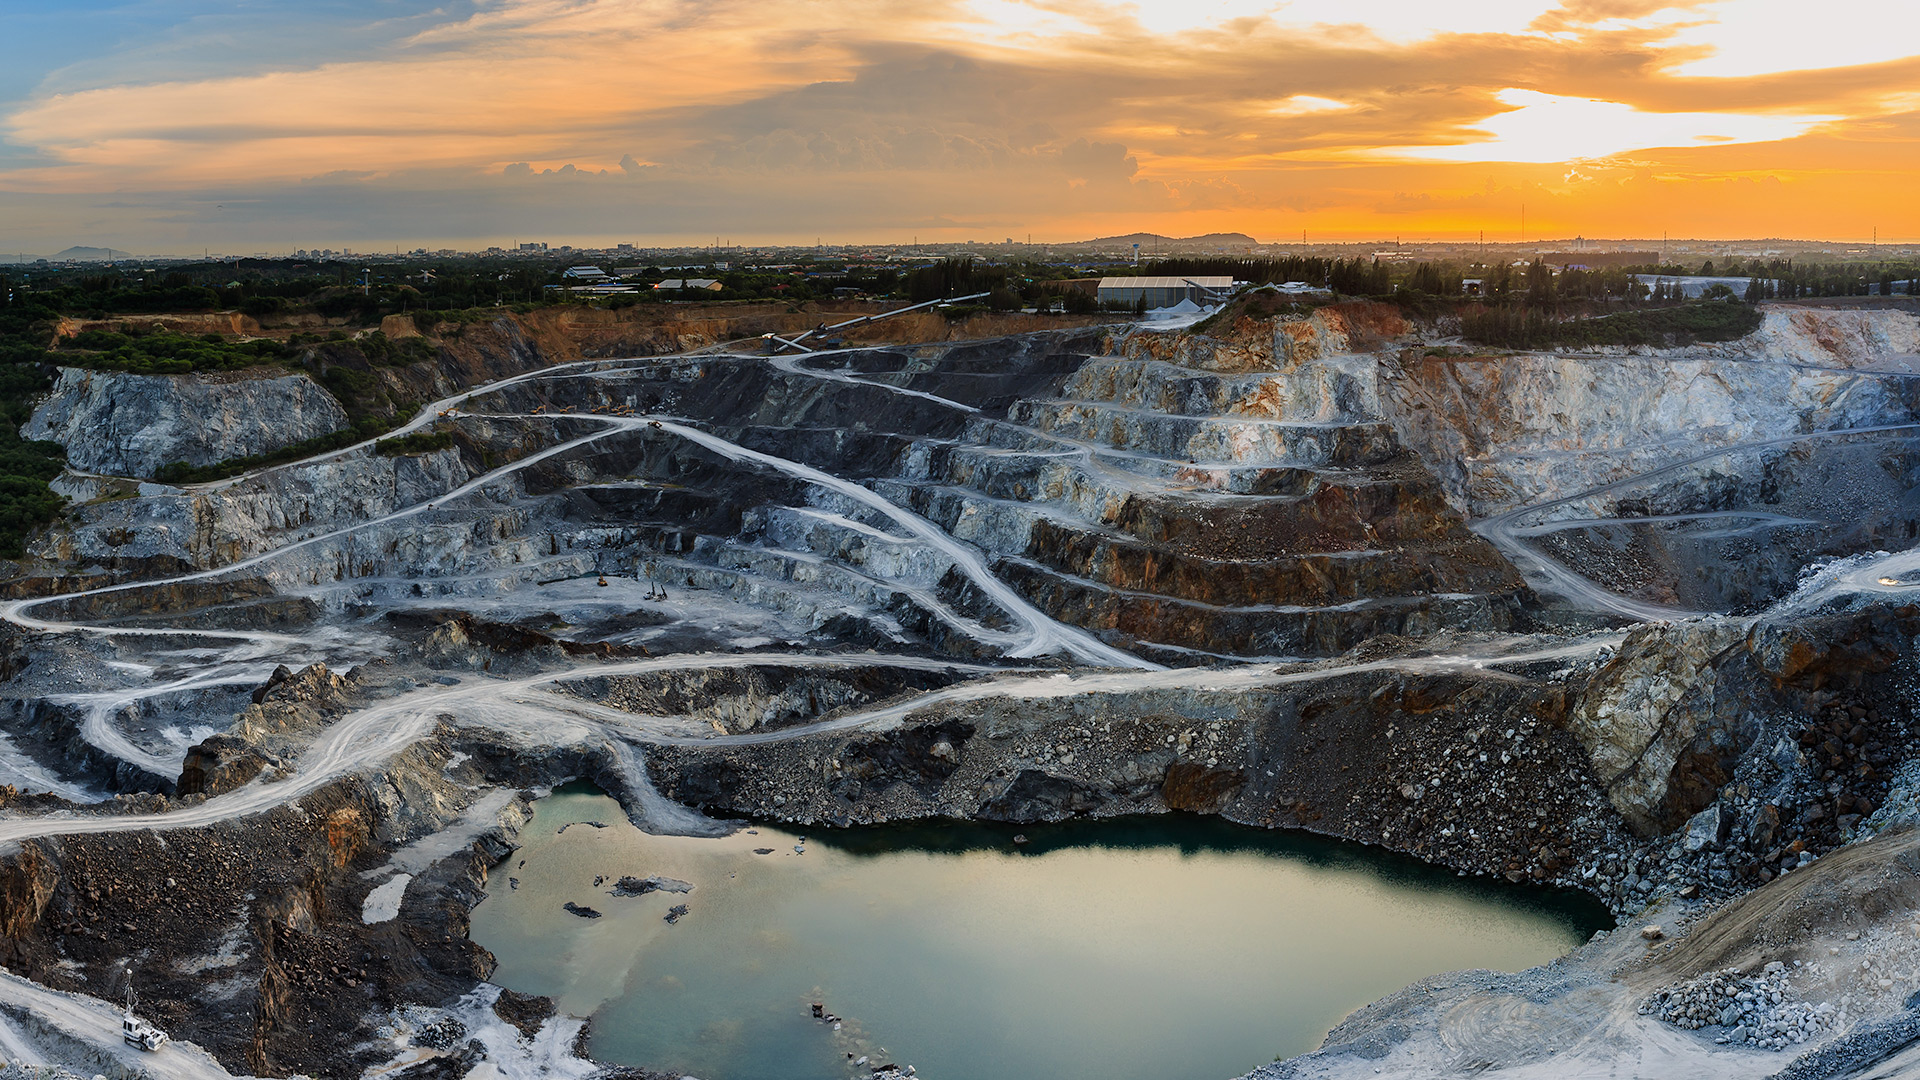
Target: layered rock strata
130 425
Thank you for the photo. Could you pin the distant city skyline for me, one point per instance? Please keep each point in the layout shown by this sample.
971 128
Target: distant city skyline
1691 247
193 125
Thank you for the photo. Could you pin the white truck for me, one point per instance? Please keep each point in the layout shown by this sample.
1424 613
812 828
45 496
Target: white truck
138 1032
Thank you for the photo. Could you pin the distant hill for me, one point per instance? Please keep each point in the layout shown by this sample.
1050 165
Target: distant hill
1154 241
89 254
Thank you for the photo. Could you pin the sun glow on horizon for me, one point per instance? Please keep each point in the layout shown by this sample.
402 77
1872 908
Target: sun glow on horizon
1543 128
1625 116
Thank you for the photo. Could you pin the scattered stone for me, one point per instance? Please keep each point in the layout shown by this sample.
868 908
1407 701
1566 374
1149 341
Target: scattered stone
1706 829
1653 933
633 886
580 909
526 1012
1758 1010
442 1034
675 913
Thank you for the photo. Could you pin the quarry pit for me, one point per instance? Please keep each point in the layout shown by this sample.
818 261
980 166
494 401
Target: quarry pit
1628 623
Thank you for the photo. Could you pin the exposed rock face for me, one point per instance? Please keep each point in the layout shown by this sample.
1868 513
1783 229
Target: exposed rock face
1239 494
1198 499
1336 340
1255 504
1816 959
250 940
1469 772
130 425
212 528
1646 709
219 764
1692 479
1200 789
1508 430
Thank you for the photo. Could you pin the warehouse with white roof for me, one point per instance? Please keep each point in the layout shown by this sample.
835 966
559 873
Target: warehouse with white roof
1164 292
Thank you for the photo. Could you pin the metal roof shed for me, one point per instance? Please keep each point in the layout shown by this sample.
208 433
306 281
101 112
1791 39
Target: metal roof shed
1163 292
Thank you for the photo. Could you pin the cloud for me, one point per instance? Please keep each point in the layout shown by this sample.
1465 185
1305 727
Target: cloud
1578 14
1098 162
1763 37
1546 128
1003 114
340 176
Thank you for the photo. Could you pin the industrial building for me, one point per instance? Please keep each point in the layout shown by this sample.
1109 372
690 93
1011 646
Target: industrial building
1164 292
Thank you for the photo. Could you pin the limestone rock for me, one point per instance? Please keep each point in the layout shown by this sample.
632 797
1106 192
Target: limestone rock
208 528
1645 710
130 425
1706 829
1034 795
218 765
1509 430
637 886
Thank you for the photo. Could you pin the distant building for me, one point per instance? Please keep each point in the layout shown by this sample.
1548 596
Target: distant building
585 273
676 284
1164 292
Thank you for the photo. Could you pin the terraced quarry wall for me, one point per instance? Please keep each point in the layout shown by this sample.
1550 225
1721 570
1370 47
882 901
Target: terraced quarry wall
1507 430
1072 573
1697 479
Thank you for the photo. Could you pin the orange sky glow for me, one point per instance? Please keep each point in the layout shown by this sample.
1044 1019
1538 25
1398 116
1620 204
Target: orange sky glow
662 121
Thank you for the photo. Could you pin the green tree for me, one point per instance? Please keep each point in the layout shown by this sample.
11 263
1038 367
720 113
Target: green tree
1539 282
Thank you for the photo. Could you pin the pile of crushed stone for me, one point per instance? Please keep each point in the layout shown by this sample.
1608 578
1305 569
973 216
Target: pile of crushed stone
1759 1010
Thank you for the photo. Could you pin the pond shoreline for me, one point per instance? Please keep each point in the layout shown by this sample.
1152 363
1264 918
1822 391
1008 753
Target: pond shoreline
1054 944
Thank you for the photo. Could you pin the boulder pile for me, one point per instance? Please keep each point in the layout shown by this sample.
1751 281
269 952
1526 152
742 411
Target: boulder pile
1756 1009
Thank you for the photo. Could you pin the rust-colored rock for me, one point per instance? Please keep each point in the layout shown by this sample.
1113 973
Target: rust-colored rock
1200 788
219 764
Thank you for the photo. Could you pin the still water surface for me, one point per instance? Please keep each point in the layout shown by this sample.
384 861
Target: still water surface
1147 948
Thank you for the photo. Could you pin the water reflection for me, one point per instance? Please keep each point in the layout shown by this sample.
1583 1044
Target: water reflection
1145 947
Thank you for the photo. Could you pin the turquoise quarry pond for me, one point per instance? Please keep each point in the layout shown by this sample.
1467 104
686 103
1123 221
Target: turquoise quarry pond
1145 948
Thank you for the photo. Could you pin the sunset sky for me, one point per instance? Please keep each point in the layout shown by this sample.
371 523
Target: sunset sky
166 126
